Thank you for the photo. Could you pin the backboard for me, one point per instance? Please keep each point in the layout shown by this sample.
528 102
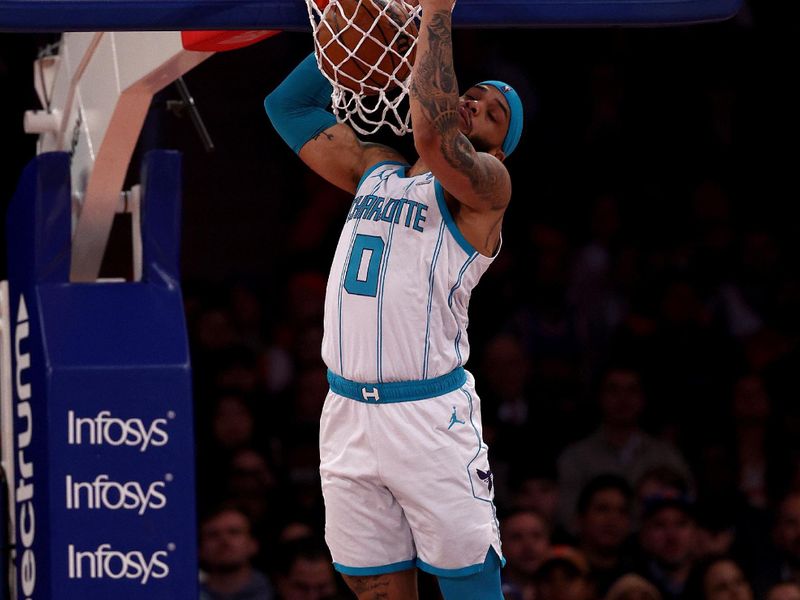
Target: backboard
174 15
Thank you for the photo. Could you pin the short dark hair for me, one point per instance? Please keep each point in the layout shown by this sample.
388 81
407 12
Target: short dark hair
219 508
666 475
606 481
505 514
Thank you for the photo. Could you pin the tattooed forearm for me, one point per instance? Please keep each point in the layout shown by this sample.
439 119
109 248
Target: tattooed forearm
435 88
434 85
435 101
458 151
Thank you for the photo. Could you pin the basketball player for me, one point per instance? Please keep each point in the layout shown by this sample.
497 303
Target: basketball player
405 474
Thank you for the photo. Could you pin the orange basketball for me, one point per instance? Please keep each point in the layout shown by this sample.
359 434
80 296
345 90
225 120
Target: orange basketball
362 44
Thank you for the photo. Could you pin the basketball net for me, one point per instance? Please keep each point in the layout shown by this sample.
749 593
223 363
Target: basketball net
371 107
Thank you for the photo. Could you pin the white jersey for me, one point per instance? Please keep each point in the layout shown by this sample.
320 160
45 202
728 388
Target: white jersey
399 287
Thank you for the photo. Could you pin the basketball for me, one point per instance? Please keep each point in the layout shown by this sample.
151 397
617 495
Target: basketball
363 44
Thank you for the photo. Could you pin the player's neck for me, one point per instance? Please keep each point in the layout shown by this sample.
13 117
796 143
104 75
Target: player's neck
418 168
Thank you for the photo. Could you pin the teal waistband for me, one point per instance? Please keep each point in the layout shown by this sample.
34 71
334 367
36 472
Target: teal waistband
397 391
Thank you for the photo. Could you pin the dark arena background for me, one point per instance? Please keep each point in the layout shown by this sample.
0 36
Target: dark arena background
645 304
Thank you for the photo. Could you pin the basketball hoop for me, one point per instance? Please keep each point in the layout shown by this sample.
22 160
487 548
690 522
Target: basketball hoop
365 49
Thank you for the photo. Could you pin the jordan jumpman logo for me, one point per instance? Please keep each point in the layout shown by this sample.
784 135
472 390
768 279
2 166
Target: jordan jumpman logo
454 419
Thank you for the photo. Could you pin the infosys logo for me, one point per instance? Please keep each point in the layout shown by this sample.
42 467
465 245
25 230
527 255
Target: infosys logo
104 494
26 521
106 429
107 563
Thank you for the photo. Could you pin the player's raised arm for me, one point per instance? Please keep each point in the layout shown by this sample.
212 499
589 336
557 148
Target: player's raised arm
297 109
442 121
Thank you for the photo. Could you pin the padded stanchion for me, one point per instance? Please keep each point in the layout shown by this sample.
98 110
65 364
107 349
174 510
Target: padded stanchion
103 443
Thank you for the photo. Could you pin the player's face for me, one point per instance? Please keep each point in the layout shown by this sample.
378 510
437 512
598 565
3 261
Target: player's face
483 117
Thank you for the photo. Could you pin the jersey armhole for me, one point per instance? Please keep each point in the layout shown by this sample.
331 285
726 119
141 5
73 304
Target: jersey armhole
450 222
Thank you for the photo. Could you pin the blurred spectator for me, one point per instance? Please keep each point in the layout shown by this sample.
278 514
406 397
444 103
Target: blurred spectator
690 357
660 481
716 527
525 535
784 591
225 427
632 587
718 578
507 369
745 459
751 414
227 550
533 485
545 323
310 391
605 508
252 482
619 446
782 562
305 572
564 575
599 306
295 530
667 538
247 313
236 368
233 422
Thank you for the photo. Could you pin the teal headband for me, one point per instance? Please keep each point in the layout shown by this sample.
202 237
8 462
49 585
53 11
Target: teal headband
514 117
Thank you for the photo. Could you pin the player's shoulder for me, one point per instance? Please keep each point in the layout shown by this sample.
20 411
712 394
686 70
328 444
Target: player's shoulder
374 154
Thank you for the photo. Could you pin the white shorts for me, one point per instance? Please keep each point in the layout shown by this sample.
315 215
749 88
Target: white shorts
406 477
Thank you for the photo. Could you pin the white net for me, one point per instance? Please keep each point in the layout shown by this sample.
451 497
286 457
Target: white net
366 49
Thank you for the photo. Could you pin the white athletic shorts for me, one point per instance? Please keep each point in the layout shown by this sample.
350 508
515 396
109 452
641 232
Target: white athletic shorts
406 478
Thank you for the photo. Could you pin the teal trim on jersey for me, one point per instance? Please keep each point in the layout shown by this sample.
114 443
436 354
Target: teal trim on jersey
384 269
378 570
431 279
457 285
469 465
448 219
371 170
459 279
397 391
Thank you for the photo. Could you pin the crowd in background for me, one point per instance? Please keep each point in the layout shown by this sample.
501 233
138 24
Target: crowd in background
636 344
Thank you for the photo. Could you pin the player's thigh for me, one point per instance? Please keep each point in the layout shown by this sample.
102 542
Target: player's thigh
435 464
400 585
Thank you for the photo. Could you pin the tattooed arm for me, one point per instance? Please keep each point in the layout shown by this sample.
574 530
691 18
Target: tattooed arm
338 156
475 179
